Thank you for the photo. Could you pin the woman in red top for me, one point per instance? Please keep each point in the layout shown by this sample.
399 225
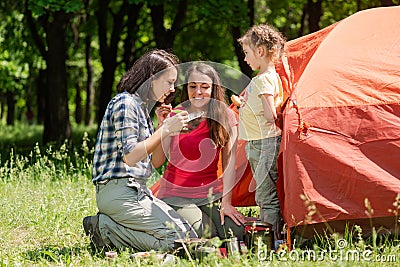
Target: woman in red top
190 182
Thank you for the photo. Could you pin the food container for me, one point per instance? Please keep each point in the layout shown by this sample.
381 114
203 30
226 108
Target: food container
194 247
202 252
258 233
232 245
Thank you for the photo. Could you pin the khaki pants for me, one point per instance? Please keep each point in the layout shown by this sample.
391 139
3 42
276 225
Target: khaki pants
205 218
130 216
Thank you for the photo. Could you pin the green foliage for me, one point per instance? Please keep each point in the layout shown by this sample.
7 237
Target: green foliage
200 47
206 34
13 64
284 15
41 7
13 76
346 8
233 11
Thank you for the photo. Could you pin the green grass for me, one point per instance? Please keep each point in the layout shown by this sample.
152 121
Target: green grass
46 192
22 138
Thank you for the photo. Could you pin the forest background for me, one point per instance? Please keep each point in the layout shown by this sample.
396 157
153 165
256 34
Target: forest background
61 59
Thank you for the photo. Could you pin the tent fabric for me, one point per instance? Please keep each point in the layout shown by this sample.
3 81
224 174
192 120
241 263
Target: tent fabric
341 142
243 194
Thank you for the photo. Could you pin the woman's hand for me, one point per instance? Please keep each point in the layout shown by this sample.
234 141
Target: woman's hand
162 113
230 211
173 125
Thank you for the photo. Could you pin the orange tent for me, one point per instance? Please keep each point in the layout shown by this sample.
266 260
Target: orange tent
341 140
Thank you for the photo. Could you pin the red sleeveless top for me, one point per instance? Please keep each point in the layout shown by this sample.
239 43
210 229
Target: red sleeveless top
193 164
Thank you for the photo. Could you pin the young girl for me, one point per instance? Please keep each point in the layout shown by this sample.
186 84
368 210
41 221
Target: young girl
192 170
263 46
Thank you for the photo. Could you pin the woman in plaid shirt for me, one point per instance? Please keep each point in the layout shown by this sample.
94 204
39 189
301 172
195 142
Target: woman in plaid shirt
129 215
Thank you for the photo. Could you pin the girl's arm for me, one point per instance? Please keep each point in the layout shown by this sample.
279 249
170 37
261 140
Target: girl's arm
268 103
229 179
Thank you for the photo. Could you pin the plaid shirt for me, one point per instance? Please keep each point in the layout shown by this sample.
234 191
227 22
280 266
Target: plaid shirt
126 122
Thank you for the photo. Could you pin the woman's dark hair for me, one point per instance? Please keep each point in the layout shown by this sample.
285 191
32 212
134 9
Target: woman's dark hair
144 68
217 115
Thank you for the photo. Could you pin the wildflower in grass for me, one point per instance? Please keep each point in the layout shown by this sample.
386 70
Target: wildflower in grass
85 141
360 241
370 211
395 211
396 205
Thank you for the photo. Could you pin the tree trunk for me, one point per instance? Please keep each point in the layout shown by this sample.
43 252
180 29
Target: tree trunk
56 125
358 5
157 18
106 85
41 78
129 42
314 10
56 114
89 86
89 81
10 108
108 52
302 21
78 104
387 3
41 85
250 8
165 38
30 98
236 34
2 104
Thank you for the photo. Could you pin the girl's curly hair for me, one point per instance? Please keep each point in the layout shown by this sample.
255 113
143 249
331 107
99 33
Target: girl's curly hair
265 35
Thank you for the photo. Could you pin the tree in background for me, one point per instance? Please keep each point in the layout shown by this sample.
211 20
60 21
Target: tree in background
15 62
111 21
72 44
48 21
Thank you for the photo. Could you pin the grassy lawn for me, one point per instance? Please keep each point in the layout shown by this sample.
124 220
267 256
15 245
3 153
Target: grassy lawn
45 194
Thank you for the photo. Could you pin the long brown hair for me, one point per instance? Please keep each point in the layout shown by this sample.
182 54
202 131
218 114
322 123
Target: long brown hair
217 116
144 68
